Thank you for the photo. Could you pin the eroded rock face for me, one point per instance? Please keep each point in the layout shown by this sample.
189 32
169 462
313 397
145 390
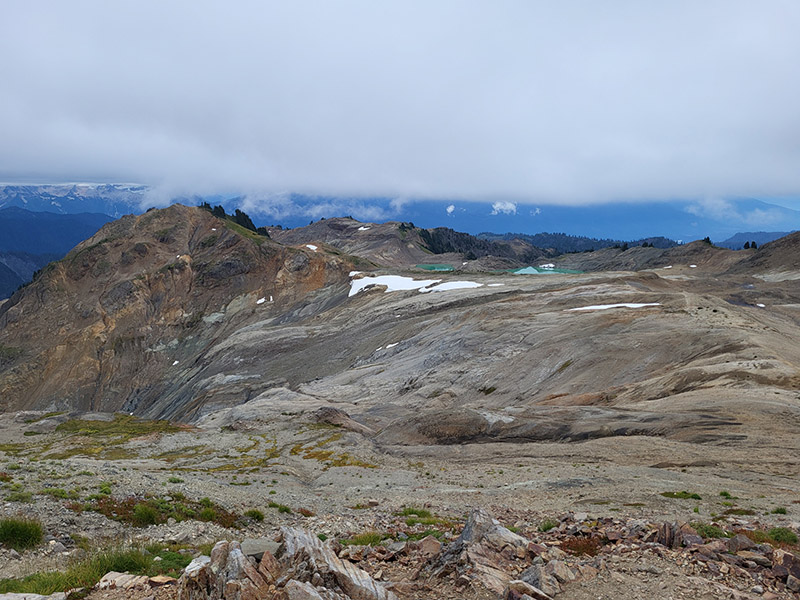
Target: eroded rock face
121 322
308 569
483 551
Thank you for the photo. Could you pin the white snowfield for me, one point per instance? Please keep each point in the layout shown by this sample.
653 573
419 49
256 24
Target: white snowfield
397 283
362 228
451 285
547 266
311 247
622 305
261 300
393 283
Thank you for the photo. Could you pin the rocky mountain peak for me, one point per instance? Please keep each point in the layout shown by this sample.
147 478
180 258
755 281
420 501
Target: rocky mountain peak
97 329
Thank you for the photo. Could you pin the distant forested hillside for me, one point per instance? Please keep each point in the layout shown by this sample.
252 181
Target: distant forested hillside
562 243
443 239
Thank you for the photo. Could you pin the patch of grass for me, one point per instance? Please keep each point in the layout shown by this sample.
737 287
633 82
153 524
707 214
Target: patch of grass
58 493
154 510
20 533
145 514
740 511
183 452
281 507
409 511
707 530
172 563
486 390
175 480
726 495
684 495
369 538
20 496
254 514
782 535
779 510
83 574
547 525
123 427
207 514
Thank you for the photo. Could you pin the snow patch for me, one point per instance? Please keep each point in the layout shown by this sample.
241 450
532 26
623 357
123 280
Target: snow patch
391 345
451 285
547 266
669 267
174 363
362 228
261 301
393 283
692 266
621 305
311 247
759 305
496 284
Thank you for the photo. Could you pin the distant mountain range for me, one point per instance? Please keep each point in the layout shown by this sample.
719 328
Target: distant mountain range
681 220
561 243
737 242
29 240
109 199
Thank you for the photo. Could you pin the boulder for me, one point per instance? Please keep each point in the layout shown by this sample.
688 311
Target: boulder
339 418
519 590
740 542
485 548
305 557
255 547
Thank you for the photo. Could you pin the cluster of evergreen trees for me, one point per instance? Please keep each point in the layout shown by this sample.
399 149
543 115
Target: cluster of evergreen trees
749 245
239 217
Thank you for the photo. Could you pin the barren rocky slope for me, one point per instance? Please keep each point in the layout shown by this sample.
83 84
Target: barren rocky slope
542 396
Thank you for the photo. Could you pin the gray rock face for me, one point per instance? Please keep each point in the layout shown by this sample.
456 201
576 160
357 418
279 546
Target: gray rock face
256 547
482 548
307 570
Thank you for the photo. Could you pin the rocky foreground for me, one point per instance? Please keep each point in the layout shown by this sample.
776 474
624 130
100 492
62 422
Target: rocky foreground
578 558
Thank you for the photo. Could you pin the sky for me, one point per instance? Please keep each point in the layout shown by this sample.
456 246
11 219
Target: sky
513 103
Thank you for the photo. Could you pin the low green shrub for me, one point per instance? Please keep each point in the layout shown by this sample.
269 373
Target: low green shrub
20 533
84 574
145 514
254 514
547 525
707 530
782 535
369 538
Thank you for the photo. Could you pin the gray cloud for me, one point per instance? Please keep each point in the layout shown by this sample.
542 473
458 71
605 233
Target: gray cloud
511 101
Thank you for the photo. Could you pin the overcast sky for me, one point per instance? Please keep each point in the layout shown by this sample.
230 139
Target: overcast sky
525 102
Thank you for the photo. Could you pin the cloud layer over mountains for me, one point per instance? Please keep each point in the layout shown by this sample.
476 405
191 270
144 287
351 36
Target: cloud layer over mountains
514 102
